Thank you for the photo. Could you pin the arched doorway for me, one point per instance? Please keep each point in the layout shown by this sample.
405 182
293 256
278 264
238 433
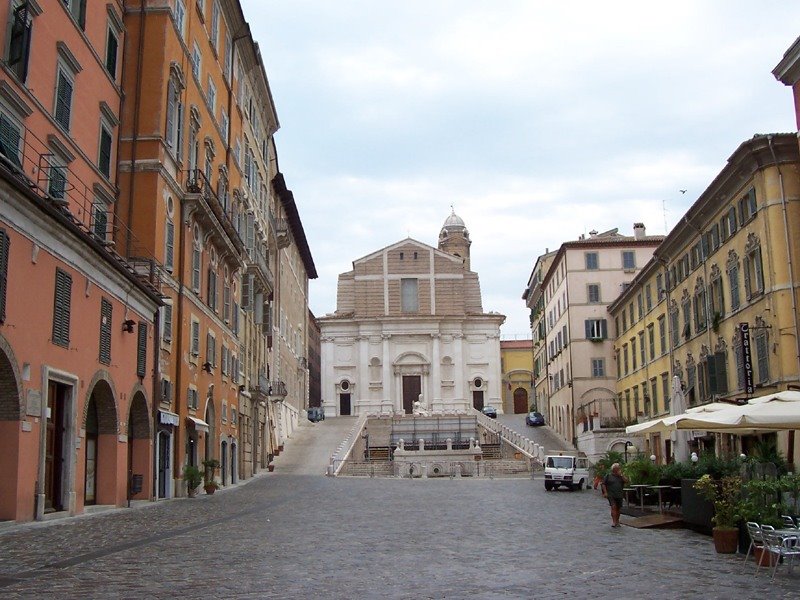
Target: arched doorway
139 448
520 400
18 455
100 450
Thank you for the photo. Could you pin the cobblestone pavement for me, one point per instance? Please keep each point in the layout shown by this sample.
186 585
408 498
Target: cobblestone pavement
307 536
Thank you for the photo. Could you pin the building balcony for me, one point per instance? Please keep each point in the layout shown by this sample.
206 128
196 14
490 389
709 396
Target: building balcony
211 212
277 390
257 265
84 207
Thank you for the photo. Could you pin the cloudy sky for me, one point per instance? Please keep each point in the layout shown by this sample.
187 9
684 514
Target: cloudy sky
538 121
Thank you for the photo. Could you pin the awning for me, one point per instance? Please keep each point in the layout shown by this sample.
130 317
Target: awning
773 412
168 418
198 424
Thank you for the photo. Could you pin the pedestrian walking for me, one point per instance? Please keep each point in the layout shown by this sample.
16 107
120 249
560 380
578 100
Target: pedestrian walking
613 486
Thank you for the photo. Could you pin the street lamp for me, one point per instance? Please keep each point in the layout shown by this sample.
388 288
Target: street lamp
628 444
694 457
652 458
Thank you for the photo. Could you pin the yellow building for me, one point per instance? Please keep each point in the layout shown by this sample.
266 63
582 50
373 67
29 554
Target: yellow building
516 364
731 297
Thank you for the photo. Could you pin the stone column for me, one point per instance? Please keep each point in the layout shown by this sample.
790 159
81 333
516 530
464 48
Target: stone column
386 362
362 394
435 394
458 363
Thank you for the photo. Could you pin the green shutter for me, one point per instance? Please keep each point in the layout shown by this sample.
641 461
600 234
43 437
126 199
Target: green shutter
111 54
61 308
105 331
63 100
141 350
104 162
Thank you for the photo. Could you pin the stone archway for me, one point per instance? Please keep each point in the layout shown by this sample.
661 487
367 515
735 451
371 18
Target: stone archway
18 453
139 436
101 426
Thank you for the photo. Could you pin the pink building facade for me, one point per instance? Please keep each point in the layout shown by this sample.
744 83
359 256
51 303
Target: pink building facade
76 320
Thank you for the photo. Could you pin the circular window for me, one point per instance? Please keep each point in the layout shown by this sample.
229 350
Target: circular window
345 385
477 382
170 206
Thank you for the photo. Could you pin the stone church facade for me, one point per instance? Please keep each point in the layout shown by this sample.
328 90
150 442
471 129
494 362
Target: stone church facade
410 326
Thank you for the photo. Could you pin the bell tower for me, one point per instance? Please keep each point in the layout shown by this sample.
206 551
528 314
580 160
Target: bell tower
454 238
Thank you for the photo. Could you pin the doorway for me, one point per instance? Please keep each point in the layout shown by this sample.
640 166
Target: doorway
56 452
412 387
477 399
223 461
344 405
520 401
92 430
163 463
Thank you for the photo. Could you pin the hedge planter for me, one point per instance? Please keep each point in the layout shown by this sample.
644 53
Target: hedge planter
726 540
696 510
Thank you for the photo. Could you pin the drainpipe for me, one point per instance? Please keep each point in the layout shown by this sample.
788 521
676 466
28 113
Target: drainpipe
788 250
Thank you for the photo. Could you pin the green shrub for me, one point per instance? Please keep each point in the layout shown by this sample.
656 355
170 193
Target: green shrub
603 465
642 470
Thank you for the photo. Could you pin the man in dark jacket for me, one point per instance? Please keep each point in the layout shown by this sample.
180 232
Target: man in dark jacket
612 487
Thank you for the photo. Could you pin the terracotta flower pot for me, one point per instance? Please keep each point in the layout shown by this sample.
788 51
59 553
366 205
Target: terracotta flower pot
763 557
270 468
210 489
726 541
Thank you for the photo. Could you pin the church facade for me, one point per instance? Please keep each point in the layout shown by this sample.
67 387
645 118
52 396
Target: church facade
410 327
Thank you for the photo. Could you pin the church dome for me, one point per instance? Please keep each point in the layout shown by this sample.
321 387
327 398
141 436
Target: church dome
454 224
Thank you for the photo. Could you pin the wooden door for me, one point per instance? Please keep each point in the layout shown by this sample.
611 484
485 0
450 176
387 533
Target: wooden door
54 451
477 399
344 405
163 463
412 387
520 401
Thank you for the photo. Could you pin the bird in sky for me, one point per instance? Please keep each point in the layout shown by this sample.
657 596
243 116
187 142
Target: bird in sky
682 191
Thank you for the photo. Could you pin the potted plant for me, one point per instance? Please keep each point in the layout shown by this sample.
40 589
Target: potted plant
725 495
193 478
210 465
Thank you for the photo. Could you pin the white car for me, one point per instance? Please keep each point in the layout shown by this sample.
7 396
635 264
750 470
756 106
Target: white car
570 471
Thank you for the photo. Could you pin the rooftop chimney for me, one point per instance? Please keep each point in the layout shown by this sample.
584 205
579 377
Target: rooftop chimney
593 233
639 231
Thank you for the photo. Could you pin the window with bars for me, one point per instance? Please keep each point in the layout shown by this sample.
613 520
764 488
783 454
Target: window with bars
61 308
105 331
141 350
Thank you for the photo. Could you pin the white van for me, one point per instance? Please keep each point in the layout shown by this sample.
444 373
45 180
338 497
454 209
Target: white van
566 470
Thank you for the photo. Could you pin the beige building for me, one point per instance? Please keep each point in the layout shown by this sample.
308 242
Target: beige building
642 362
534 300
410 326
585 276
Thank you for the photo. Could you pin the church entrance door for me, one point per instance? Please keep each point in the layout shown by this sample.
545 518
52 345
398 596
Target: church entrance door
412 387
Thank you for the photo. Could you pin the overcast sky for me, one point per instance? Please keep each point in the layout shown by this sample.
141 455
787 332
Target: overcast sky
538 121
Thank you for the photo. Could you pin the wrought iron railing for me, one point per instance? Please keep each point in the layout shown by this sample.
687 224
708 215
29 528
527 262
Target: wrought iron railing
228 215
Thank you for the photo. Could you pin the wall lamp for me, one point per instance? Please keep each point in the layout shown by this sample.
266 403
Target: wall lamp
127 325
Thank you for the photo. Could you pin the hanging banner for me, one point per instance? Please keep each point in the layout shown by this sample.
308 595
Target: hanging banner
747 360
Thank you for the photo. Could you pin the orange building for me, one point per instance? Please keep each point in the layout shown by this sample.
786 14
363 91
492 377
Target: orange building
76 320
196 160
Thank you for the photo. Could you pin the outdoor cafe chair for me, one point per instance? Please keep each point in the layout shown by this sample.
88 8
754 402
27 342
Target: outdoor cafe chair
784 546
756 540
788 522
765 531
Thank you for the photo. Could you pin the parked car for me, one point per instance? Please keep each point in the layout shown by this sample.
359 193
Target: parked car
316 414
489 411
570 471
534 419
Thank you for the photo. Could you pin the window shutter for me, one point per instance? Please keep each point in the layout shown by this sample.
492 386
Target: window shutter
100 221
5 245
104 161
81 16
247 292
179 130
9 140
603 329
169 252
170 126
722 372
63 100
588 329
141 350
105 331
19 46
167 323
111 54
196 270
61 308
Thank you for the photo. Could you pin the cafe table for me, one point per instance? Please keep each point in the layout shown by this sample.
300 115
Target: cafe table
640 488
660 489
